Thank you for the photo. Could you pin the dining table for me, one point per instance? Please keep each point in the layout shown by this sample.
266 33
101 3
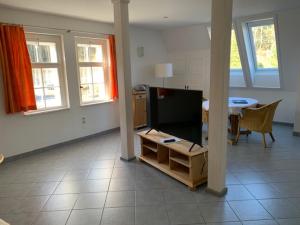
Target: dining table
235 106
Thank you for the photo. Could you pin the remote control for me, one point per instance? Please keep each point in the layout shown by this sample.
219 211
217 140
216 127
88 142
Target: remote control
169 140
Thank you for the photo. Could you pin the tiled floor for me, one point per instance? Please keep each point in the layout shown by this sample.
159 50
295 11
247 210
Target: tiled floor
87 184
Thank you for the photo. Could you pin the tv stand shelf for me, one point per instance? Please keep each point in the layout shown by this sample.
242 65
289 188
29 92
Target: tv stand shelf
174 158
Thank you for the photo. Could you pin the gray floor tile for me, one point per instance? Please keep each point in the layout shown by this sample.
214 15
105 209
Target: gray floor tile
149 183
184 214
252 177
281 208
61 202
69 187
127 172
264 191
42 188
122 184
20 218
100 174
95 186
30 204
249 210
76 175
151 215
90 201
85 217
179 197
104 164
237 192
225 223
150 197
260 222
118 216
120 198
231 179
289 221
52 218
217 212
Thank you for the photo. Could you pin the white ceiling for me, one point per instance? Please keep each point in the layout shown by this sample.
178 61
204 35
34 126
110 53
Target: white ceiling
150 13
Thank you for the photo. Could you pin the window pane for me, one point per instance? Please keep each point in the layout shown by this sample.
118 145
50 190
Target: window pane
98 75
264 41
95 53
82 52
39 98
235 59
86 75
86 92
51 78
47 52
37 78
99 92
52 96
31 46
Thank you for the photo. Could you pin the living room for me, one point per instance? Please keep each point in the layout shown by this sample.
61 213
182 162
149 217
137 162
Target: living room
61 160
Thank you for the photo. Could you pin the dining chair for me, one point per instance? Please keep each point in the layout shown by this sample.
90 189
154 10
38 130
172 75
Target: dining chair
258 119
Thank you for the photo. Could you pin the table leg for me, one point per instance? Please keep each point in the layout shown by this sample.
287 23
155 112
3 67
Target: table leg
234 121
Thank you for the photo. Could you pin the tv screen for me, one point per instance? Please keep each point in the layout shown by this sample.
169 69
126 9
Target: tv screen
176 112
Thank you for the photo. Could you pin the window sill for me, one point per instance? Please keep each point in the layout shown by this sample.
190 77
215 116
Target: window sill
96 103
37 112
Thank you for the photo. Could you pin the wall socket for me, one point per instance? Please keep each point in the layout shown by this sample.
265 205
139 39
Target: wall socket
83 120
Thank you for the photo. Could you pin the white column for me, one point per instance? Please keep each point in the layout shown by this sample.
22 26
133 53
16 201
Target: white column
121 23
218 98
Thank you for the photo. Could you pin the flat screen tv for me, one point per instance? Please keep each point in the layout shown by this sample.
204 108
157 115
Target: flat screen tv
176 112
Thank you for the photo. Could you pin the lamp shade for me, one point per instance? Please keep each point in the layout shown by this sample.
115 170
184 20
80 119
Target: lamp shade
164 70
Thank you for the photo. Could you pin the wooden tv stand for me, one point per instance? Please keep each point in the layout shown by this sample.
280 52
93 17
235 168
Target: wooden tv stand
174 158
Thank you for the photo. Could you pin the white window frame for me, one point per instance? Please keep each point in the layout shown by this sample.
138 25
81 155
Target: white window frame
60 65
269 78
105 64
264 22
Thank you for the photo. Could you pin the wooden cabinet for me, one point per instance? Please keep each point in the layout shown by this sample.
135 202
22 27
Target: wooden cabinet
139 109
175 159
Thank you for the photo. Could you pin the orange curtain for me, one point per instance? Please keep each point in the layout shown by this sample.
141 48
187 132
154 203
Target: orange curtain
113 79
16 70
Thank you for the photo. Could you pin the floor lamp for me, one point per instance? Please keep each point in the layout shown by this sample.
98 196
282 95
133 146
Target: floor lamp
164 70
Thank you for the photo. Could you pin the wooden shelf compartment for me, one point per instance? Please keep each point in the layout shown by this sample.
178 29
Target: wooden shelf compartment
180 170
150 145
180 158
163 154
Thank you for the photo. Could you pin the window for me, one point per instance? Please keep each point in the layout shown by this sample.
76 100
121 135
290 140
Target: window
92 60
263 42
48 71
235 59
236 71
262 53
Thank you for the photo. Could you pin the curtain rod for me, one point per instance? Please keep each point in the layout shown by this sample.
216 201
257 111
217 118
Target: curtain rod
55 28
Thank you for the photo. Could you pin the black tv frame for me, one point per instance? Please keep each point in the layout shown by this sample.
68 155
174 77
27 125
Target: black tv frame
152 106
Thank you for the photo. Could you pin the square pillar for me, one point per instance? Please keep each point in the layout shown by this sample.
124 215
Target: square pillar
121 24
218 98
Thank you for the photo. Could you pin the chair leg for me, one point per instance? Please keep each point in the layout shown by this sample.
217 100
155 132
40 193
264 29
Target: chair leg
238 135
264 140
272 136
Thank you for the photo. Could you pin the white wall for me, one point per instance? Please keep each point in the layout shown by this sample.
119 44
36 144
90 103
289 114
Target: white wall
19 133
189 51
289 38
154 52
